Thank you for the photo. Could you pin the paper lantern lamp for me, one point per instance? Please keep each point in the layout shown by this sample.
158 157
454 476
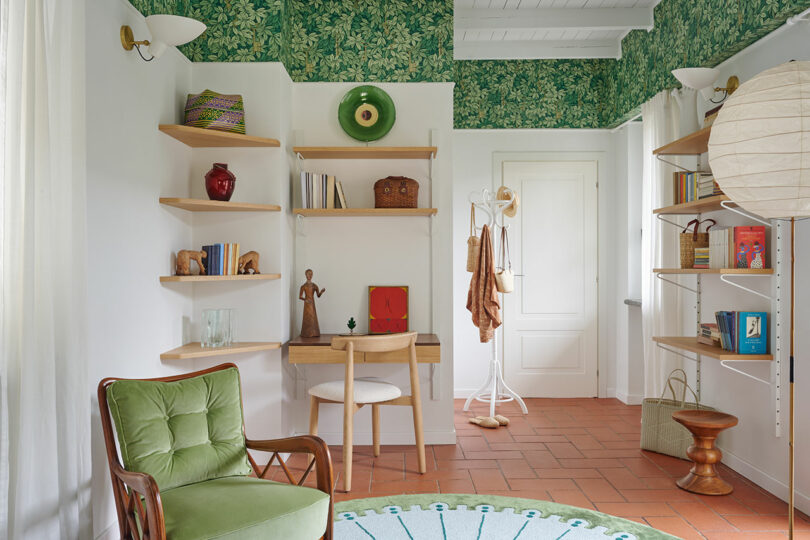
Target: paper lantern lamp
759 149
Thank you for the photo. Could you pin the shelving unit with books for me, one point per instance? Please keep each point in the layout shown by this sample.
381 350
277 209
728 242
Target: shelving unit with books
228 254
696 144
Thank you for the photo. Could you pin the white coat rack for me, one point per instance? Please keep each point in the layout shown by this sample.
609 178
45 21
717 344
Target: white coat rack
495 390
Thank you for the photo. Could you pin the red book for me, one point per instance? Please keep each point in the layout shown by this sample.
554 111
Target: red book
749 247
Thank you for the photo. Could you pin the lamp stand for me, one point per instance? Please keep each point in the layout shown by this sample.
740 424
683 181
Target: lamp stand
791 451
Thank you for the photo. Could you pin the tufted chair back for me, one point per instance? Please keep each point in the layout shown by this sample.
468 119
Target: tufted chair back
181 431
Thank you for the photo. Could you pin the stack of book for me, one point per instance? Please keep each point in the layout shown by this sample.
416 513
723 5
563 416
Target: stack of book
743 332
701 258
691 186
221 259
709 334
737 247
321 191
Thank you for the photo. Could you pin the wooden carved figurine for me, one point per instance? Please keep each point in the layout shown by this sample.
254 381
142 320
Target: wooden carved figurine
309 325
184 258
249 261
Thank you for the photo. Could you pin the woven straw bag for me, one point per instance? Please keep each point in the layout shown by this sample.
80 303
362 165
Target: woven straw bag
659 432
691 238
396 192
473 243
504 277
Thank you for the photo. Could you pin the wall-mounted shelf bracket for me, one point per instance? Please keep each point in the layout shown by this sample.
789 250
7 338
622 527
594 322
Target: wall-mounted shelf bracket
725 364
665 220
726 278
736 209
676 352
673 282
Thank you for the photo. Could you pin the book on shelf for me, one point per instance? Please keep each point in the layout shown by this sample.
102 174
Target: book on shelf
742 332
709 334
221 259
749 247
319 191
693 186
341 197
701 257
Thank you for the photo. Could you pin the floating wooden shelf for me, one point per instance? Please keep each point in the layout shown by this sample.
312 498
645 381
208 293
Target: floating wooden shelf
366 152
211 138
203 205
355 212
693 144
746 271
709 204
195 350
238 277
691 344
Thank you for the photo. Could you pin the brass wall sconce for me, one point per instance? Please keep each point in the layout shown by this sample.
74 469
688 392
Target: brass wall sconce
167 31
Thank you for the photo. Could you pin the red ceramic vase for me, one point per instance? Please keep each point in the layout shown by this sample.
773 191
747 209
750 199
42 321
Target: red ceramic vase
219 182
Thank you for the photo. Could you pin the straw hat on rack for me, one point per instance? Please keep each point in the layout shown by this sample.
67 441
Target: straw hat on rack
506 194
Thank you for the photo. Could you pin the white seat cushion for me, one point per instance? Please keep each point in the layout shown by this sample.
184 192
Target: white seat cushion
365 391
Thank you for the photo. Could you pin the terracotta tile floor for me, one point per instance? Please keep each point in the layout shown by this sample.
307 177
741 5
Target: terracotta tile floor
582 452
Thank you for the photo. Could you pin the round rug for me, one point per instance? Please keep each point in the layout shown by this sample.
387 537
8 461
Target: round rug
442 516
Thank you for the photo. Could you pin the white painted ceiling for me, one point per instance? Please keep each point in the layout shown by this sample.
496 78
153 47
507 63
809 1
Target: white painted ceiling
531 29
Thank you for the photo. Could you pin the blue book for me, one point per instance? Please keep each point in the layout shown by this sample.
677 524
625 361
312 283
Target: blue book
215 260
721 325
221 260
752 332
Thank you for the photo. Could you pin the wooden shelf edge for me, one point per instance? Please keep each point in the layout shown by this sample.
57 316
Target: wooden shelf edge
365 212
709 204
691 344
240 277
693 144
210 138
204 205
195 350
726 271
366 152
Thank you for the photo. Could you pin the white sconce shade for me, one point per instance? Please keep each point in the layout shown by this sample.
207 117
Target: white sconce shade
698 78
759 149
171 31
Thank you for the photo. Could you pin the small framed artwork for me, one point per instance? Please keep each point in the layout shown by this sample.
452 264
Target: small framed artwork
387 309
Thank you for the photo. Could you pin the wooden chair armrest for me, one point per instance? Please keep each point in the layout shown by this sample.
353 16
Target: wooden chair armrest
143 489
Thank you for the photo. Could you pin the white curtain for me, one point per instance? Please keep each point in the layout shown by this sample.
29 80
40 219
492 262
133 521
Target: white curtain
44 395
660 302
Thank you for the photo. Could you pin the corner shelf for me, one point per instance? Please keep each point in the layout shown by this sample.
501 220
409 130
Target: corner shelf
721 271
693 144
195 350
203 205
709 204
238 277
691 344
368 212
366 152
211 138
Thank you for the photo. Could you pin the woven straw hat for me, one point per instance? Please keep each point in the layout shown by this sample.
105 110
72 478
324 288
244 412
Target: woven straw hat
506 194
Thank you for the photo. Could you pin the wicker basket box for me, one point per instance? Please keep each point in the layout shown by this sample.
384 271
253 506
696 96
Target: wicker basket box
396 192
211 110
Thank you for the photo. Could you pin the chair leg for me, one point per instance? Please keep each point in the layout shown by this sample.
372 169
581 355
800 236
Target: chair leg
348 420
313 415
375 428
416 404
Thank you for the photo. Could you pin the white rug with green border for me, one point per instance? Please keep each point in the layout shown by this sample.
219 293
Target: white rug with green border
441 516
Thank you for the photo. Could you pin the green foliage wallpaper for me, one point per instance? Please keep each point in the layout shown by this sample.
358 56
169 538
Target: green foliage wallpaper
412 40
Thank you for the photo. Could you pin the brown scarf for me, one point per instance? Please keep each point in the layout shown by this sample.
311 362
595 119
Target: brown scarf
482 298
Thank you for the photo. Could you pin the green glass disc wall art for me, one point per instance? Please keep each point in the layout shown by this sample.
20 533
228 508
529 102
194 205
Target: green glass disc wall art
366 113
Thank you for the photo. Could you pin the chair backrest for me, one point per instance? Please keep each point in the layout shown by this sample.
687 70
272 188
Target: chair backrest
180 430
377 343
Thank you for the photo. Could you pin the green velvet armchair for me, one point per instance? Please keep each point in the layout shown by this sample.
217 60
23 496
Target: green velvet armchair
187 473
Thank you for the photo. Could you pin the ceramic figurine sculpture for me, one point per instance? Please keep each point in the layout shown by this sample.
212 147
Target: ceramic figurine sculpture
184 258
249 261
307 293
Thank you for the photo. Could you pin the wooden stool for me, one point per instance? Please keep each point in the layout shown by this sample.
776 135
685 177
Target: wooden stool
705 426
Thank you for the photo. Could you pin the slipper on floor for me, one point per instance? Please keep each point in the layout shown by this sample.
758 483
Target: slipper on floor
502 420
485 421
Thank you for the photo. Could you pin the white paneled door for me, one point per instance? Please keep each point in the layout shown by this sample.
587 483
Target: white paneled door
550 322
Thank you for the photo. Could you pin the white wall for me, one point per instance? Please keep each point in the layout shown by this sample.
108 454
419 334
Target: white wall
349 254
132 318
472 171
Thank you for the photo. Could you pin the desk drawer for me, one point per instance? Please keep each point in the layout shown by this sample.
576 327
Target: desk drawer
320 355
424 355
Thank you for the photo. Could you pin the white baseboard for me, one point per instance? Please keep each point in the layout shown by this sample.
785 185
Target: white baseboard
764 480
335 438
629 399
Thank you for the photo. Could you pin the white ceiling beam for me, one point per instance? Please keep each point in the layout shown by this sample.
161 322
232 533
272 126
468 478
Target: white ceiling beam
554 18
535 49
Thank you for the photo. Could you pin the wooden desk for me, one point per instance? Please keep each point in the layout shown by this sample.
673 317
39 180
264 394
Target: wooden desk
319 351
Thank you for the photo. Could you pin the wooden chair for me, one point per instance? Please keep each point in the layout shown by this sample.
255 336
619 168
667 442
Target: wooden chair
189 475
355 393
